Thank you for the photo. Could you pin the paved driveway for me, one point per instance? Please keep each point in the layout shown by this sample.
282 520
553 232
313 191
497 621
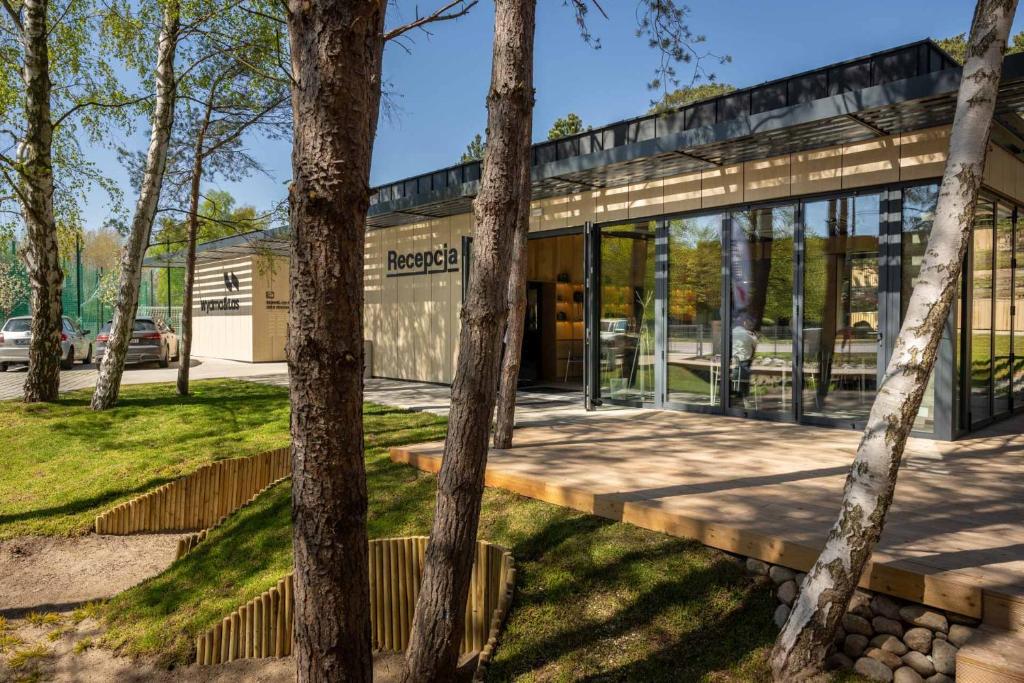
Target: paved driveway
84 376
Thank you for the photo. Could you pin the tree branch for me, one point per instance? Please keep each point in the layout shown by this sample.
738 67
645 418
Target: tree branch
15 17
101 105
443 13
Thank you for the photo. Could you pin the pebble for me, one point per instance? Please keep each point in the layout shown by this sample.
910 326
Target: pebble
887 625
780 574
918 615
906 675
944 657
860 604
873 669
855 624
919 639
919 663
885 606
757 567
891 660
780 616
939 678
960 634
889 644
800 578
854 645
787 592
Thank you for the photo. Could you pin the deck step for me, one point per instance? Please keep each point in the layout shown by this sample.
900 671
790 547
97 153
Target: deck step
991 656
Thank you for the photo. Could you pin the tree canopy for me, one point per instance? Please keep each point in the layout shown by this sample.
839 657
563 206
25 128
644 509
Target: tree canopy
570 124
689 94
474 150
956 46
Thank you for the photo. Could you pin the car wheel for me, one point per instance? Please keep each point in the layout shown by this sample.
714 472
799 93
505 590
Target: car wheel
3 367
88 356
163 362
70 360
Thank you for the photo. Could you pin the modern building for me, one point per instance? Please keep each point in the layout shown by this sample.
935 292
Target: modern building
751 254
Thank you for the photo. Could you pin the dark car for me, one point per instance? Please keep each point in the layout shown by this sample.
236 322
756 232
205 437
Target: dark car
151 340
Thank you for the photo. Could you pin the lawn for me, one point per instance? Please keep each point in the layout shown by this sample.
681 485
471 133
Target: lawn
64 463
595 600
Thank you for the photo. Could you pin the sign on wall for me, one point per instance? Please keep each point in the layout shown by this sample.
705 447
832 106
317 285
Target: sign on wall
224 303
440 260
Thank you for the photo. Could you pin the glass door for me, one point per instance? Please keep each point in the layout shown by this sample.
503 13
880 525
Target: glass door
842 332
626 313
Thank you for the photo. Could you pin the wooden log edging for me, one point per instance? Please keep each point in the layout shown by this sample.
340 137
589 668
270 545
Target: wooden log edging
264 626
188 543
198 500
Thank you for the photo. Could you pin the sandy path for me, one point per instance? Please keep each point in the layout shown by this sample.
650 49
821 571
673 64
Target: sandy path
57 574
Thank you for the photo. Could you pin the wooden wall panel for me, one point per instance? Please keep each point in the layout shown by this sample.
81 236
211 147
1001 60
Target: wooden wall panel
223 334
766 179
459 227
646 199
923 153
271 294
818 170
682 193
721 186
581 209
871 162
611 204
386 351
1001 170
437 344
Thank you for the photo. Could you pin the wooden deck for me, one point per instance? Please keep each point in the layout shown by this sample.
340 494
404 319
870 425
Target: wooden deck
954 538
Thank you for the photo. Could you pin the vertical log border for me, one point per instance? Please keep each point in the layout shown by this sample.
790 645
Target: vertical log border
264 626
199 500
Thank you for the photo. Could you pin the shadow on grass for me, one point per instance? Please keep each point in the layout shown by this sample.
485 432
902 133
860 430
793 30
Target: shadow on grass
74 507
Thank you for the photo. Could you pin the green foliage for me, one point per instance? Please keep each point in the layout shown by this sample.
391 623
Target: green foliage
690 94
956 46
474 150
151 437
14 289
571 124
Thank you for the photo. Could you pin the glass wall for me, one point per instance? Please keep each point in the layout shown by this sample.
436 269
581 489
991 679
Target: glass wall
918 214
1001 312
979 378
1017 326
626 343
841 322
694 330
761 309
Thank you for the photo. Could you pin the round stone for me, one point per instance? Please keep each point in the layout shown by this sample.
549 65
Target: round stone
919 615
860 604
939 678
780 574
919 639
787 592
889 644
800 578
906 675
887 625
944 657
873 669
919 663
757 567
960 634
837 661
854 645
891 660
885 606
856 624
780 616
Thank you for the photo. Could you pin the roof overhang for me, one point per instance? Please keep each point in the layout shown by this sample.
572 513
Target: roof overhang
275 241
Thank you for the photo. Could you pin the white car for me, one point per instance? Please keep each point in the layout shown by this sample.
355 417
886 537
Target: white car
16 337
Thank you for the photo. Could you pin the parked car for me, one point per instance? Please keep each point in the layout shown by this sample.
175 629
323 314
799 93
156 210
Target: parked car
16 336
151 340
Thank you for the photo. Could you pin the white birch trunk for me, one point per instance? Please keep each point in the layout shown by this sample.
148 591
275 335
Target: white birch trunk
802 645
109 382
42 257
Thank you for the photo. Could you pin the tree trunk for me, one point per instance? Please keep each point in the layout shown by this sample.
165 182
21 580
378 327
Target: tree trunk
108 384
336 50
440 610
185 353
505 413
825 594
42 257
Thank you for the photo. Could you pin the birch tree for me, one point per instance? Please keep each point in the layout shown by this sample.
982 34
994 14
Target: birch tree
108 383
54 82
336 50
802 644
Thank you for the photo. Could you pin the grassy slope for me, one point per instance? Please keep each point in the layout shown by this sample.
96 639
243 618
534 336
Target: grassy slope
64 463
594 598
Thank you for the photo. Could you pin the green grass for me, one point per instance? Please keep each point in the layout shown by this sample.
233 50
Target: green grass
594 599
64 463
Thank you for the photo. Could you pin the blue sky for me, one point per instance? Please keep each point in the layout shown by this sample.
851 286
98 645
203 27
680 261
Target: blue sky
440 86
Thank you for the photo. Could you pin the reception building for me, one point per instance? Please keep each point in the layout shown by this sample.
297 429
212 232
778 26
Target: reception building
751 254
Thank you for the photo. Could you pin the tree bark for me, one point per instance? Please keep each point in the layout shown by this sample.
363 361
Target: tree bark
42 256
440 610
108 384
825 594
336 50
185 353
505 412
